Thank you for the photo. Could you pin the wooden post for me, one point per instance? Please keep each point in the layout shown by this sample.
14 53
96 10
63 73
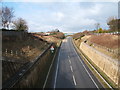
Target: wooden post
21 52
11 52
6 52
16 53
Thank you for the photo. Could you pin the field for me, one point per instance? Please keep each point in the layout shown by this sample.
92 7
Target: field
107 44
109 41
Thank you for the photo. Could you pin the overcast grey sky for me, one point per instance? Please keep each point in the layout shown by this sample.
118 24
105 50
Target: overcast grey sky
66 16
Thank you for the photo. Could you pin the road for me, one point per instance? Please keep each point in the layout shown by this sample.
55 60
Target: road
70 70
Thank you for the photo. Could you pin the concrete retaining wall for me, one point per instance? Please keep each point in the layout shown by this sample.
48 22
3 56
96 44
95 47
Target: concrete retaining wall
108 65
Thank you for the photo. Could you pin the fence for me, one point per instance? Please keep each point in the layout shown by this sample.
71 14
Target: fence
33 73
7 52
111 33
103 47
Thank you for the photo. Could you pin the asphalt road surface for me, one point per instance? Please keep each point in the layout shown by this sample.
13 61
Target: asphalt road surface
70 71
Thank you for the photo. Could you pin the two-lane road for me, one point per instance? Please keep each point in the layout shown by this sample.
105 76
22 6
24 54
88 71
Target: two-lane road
71 71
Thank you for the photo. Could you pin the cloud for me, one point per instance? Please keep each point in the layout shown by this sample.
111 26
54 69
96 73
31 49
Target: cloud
58 15
61 0
68 17
96 9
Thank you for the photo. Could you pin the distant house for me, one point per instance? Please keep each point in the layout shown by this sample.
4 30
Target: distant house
47 33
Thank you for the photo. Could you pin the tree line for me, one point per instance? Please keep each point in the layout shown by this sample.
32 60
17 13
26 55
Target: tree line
112 22
7 15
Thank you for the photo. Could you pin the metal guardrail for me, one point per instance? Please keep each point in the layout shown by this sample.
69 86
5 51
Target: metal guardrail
22 71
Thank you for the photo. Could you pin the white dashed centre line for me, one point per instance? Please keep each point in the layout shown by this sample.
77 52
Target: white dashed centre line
71 68
72 72
68 56
69 61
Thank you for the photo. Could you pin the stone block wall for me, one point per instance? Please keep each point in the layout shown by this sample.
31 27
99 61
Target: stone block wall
108 65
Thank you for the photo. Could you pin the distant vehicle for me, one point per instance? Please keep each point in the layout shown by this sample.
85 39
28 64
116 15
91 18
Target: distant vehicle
52 49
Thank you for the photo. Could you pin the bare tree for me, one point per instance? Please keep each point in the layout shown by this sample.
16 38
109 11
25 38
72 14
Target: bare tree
7 15
0 17
20 24
0 13
113 23
97 26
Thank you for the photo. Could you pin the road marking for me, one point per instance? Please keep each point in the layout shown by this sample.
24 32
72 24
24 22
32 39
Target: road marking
74 80
98 73
68 56
57 69
49 71
71 68
86 70
69 61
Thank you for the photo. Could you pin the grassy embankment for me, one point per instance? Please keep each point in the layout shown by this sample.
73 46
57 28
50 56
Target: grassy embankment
109 41
16 52
27 48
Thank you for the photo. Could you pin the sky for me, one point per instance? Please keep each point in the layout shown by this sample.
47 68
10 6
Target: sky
65 16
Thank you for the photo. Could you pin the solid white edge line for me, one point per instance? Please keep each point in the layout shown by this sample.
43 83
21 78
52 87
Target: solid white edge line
48 75
49 71
99 74
86 70
57 69
74 80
